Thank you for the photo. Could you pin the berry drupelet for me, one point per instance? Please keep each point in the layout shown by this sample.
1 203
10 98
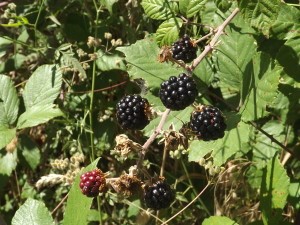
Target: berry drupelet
208 123
159 195
92 182
178 92
132 112
184 50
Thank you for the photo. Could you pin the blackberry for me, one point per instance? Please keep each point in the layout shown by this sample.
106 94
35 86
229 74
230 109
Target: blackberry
178 92
92 182
184 49
159 195
132 112
207 123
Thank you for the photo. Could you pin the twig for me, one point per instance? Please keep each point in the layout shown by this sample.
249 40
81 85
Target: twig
152 138
208 48
184 208
59 204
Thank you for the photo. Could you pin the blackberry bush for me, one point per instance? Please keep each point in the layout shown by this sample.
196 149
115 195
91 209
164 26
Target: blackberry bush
92 182
207 123
132 112
178 92
159 195
184 49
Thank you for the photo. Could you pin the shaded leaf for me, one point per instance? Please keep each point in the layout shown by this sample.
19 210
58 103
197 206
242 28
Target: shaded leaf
288 57
274 191
68 60
32 212
260 91
110 61
30 151
8 163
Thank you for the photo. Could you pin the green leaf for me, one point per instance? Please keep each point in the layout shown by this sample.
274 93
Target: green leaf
159 9
32 212
223 5
8 163
263 148
194 7
6 135
204 71
37 115
43 86
30 151
183 4
260 92
175 118
235 51
274 191
9 102
222 149
110 61
109 4
78 205
260 13
288 57
287 24
168 31
219 220
142 57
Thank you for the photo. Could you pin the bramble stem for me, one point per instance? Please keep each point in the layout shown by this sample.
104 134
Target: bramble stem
208 48
152 138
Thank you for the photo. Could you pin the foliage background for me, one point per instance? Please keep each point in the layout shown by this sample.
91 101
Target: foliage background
69 116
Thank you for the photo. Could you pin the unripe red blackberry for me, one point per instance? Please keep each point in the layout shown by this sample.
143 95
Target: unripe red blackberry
208 123
132 112
159 195
92 182
178 92
184 49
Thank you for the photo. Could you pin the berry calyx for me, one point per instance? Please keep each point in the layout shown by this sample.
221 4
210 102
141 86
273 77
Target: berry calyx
208 123
159 195
92 183
178 92
132 112
184 49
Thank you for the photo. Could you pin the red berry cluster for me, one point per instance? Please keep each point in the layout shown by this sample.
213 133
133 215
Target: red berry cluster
92 182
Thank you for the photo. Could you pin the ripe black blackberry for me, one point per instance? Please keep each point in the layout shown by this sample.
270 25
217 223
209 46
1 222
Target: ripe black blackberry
208 123
159 195
132 112
178 92
92 182
184 49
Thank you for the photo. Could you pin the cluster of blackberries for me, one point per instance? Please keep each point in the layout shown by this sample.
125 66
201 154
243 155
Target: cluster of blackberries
184 49
132 112
159 195
178 92
208 123
92 182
